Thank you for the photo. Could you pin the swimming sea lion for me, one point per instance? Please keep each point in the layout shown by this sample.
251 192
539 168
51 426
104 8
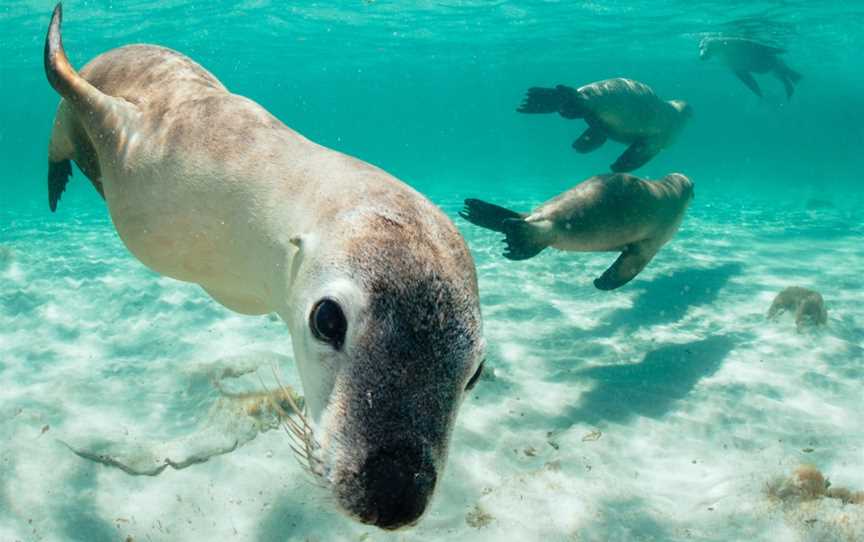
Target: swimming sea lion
623 110
746 57
377 287
609 212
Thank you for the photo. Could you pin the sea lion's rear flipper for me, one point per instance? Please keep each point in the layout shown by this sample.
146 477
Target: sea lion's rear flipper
83 106
637 155
787 76
632 260
91 104
487 215
591 139
563 100
522 239
747 78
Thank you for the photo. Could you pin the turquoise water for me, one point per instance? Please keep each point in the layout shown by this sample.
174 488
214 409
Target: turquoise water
665 410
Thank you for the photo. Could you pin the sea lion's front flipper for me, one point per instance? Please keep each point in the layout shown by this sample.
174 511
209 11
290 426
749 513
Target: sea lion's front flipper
633 260
636 155
70 142
591 139
747 78
58 175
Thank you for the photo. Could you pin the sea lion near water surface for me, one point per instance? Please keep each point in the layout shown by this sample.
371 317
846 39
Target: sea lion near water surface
612 212
746 57
375 284
622 110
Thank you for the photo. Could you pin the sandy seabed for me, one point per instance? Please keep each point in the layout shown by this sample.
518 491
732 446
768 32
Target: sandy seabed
661 411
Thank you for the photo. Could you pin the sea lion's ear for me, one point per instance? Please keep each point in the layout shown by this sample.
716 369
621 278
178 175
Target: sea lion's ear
297 241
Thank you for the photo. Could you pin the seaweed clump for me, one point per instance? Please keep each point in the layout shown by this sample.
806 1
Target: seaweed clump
478 518
807 483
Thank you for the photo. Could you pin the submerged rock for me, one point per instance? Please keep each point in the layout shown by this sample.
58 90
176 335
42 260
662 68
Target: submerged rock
807 304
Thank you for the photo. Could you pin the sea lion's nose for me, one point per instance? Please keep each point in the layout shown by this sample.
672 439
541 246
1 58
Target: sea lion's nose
400 479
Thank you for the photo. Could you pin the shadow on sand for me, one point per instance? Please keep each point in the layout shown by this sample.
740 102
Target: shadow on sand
649 388
666 299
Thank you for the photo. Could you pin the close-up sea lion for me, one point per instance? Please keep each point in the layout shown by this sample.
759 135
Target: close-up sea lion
374 282
622 110
746 57
612 212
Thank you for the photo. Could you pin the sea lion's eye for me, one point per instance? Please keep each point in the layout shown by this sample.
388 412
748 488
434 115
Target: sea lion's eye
328 323
476 376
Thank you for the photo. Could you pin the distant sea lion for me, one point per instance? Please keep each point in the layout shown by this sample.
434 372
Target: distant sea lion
808 305
623 110
376 285
745 57
613 212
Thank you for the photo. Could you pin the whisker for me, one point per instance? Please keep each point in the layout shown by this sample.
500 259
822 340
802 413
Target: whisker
299 431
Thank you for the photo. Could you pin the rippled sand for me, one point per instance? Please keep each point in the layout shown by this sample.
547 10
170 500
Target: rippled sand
661 411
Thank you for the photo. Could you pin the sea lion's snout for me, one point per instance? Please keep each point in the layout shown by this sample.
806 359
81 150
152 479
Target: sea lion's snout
397 483
704 49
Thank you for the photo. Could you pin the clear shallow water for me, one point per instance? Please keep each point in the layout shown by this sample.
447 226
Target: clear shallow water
698 400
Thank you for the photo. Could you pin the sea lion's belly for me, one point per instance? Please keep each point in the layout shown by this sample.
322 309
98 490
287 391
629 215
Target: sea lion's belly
615 217
599 237
192 226
740 59
626 118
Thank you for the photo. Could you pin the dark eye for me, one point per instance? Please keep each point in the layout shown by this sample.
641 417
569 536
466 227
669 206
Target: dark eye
328 323
476 376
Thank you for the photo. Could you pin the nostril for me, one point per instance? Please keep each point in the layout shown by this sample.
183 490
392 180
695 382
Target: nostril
400 480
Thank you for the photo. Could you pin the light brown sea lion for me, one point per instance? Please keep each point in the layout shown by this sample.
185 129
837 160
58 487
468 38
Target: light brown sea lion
375 283
746 57
613 212
623 110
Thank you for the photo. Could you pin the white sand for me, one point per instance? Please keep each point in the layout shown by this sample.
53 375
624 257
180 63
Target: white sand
698 401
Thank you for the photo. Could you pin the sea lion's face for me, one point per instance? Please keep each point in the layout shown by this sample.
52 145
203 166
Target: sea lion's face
682 184
386 347
685 109
706 48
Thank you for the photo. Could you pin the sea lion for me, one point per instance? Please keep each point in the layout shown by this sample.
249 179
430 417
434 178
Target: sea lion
612 212
745 57
808 305
623 110
375 283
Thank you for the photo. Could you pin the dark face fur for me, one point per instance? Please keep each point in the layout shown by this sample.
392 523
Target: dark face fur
410 345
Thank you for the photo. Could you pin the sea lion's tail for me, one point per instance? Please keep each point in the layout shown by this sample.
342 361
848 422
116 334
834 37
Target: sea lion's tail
564 100
522 240
62 76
